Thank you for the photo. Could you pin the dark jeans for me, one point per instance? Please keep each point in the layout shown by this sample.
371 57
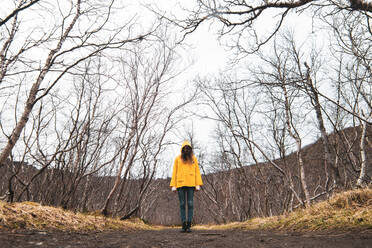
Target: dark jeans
183 193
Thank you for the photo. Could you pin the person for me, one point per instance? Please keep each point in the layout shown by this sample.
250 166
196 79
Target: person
185 180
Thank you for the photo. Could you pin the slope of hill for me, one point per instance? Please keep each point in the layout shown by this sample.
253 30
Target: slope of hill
261 190
241 193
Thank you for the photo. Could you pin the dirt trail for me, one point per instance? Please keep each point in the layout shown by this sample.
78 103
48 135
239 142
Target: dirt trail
173 238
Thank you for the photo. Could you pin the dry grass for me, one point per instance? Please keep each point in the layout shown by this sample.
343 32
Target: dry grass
30 215
343 211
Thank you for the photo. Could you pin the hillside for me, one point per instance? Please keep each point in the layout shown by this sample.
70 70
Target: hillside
235 195
260 190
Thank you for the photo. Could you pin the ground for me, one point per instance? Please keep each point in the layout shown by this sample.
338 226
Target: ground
173 238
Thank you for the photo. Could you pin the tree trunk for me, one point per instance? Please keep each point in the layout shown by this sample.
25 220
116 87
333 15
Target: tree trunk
329 158
12 140
361 182
294 134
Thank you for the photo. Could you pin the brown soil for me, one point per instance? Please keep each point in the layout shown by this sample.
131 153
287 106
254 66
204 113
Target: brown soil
173 238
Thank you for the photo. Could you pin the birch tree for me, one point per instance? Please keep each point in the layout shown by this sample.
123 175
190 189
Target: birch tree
76 31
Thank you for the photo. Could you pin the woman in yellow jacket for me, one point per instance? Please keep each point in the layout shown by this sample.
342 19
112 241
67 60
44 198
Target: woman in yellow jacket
186 179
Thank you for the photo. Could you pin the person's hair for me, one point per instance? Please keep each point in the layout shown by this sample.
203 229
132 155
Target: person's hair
186 154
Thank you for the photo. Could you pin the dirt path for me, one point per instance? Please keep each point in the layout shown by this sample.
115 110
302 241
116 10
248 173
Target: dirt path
173 238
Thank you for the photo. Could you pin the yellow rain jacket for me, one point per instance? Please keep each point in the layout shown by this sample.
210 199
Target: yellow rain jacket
185 174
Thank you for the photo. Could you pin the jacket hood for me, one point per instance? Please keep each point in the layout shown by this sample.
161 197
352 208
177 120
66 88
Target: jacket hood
185 143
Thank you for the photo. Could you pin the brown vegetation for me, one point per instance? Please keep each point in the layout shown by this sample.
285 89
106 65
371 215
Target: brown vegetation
33 216
344 211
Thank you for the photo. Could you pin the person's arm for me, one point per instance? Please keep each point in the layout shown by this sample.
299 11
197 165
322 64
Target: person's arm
173 182
198 179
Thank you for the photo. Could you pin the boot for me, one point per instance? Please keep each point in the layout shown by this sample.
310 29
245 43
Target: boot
188 227
184 227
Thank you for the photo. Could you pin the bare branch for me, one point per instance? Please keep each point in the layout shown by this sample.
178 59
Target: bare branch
22 6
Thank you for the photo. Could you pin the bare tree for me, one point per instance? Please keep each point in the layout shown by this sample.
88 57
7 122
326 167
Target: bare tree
70 140
144 84
241 19
353 45
69 43
241 140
